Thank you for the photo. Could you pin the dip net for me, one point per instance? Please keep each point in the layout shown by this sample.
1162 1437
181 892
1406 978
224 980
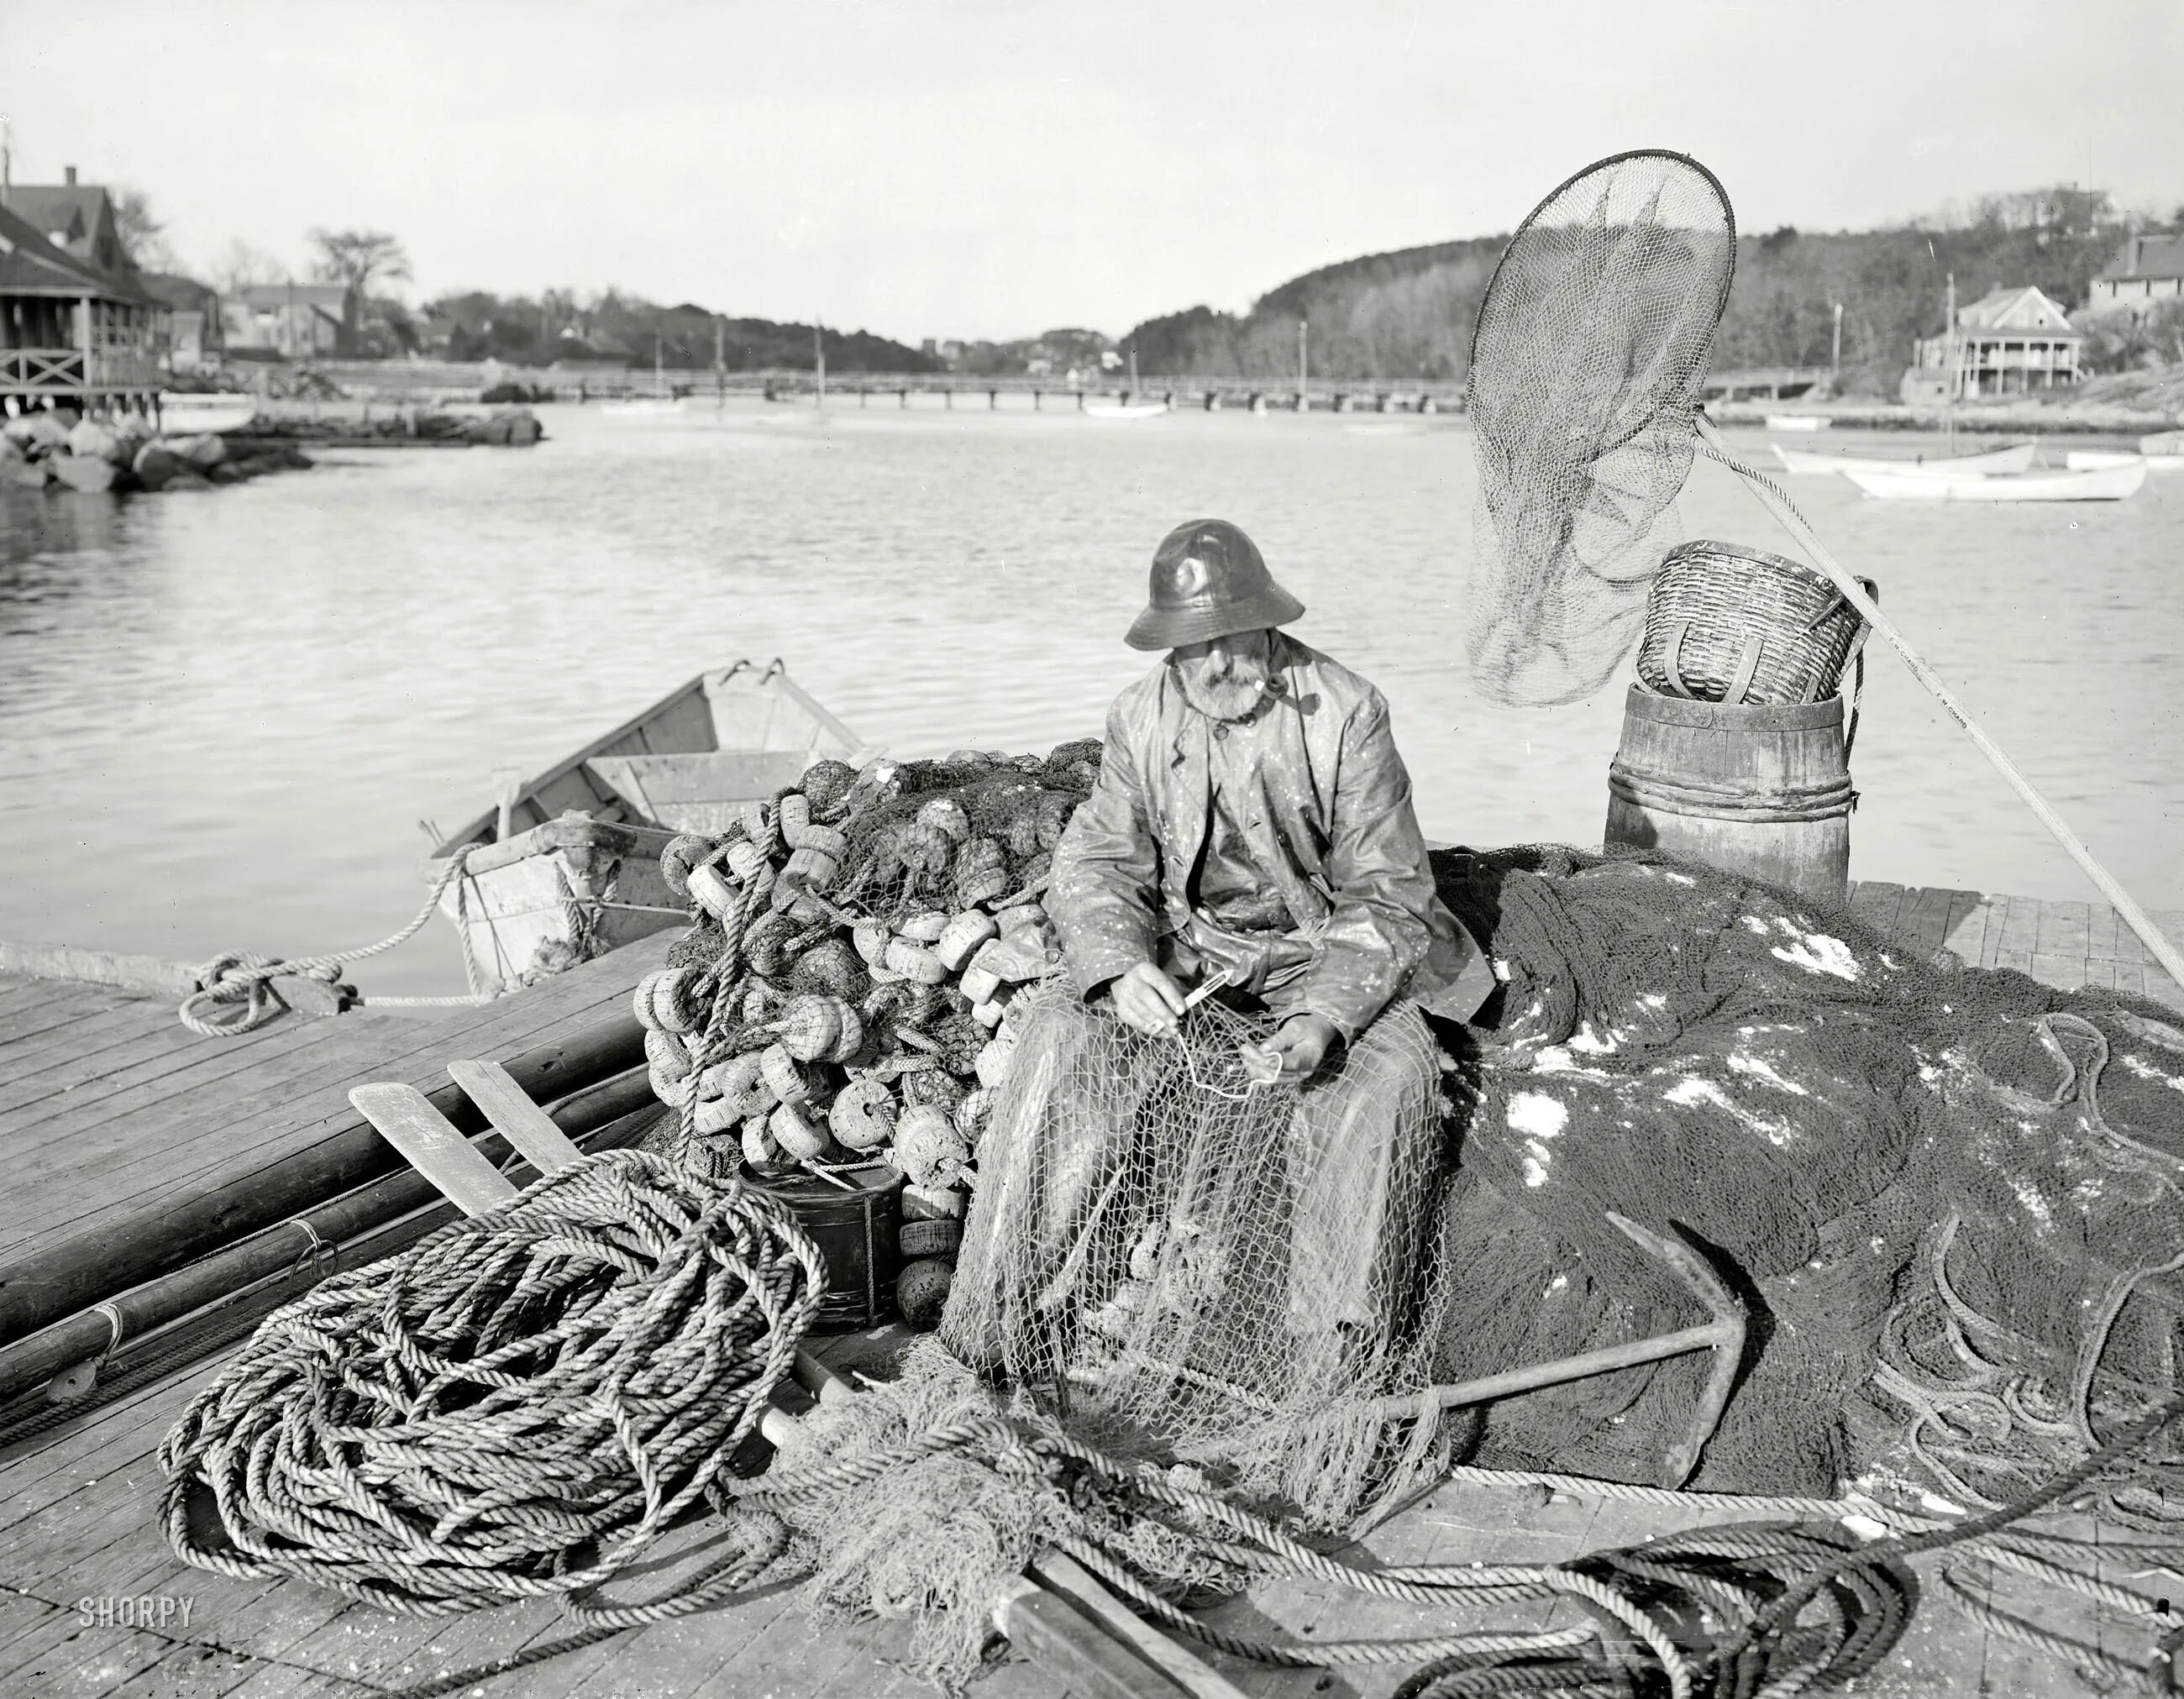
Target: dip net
1592 342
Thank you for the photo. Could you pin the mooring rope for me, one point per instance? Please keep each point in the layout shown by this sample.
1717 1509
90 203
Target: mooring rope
241 976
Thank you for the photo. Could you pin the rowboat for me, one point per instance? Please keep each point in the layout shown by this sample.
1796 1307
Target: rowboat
190 416
2018 458
566 865
655 407
2105 483
1124 409
2091 460
1798 421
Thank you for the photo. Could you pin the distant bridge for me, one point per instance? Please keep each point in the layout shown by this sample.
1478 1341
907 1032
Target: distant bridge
405 380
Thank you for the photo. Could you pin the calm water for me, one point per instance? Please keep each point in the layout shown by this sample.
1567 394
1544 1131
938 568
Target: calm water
223 715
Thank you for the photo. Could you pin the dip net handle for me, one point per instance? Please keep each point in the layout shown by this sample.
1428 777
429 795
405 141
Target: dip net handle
1771 496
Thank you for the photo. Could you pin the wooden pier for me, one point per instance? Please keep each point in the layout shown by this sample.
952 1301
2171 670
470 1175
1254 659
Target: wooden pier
113 1120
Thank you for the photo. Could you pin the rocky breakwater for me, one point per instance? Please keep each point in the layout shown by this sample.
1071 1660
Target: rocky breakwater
507 427
57 449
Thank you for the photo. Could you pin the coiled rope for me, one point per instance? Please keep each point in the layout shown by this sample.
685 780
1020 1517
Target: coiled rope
518 1406
241 976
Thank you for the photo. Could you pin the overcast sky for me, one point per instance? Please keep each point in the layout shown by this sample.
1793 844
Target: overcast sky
967 170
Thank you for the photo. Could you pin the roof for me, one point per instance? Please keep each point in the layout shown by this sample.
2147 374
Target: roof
2023 310
2147 256
65 213
334 296
29 265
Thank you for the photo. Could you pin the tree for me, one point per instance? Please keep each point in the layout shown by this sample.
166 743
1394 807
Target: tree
358 258
242 265
142 232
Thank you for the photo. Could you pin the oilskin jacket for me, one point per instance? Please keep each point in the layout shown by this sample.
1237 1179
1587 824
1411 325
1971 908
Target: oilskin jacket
1325 815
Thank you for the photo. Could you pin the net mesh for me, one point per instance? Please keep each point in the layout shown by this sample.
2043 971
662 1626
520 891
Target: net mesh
1947 1195
1218 1271
1592 342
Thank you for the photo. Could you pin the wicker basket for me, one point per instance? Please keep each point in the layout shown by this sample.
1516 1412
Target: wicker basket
1729 624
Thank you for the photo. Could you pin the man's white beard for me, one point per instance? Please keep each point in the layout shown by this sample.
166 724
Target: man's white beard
1238 689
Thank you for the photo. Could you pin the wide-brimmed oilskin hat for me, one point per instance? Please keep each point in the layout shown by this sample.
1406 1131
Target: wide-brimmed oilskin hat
1209 581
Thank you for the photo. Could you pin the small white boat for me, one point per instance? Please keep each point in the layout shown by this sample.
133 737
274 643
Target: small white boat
1124 409
2091 459
567 865
2105 484
658 407
192 415
1994 463
1798 421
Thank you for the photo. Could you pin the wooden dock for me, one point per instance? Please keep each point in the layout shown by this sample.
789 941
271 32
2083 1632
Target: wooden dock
109 1107
2068 944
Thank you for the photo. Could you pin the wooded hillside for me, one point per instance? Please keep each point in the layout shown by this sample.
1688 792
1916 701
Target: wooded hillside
1409 314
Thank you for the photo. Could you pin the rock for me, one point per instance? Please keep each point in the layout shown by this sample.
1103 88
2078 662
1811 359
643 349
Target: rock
45 431
203 451
224 472
10 449
93 474
156 465
188 478
90 442
29 475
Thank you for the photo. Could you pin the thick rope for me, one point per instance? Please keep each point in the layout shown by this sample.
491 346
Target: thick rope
517 1408
241 976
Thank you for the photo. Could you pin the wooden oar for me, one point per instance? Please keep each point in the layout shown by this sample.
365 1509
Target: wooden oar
1852 592
1047 1629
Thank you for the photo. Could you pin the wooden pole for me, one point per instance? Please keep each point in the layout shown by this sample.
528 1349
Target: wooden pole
819 364
1792 522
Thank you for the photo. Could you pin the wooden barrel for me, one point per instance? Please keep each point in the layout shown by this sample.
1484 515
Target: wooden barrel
854 1218
1761 789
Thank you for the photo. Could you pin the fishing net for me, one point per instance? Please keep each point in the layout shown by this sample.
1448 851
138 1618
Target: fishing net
1949 1195
1225 1273
1591 344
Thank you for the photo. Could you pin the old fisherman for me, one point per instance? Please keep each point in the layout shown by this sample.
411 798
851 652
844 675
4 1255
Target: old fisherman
1251 831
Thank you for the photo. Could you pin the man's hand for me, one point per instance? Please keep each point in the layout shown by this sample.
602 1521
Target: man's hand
1300 1044
1148 999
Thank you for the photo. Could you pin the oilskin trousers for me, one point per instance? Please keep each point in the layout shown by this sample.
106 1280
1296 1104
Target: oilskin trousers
1099 1125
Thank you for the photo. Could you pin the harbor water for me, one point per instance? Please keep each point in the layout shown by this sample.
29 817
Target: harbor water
224 714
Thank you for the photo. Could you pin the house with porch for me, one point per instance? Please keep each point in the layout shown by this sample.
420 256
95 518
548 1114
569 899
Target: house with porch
77 218
2006 342
71 331
2150 269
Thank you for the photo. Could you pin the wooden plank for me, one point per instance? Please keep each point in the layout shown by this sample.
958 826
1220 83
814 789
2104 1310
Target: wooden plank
2021 929
84 1028
2103 924
2065 973
297 1098
67 963
2065 930
1923 919
291 1100
1967 926
135 1054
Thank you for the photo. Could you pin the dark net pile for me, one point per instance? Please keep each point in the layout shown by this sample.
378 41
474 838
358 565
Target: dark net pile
1592 344
1949 1195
